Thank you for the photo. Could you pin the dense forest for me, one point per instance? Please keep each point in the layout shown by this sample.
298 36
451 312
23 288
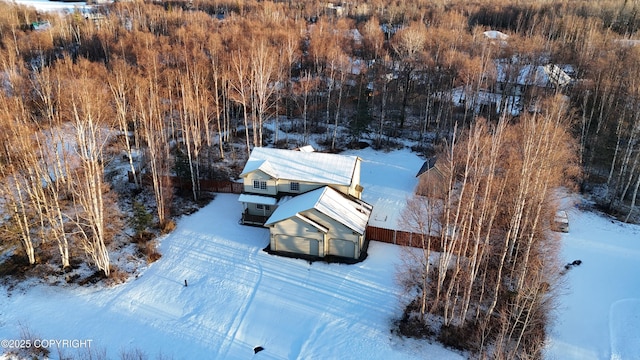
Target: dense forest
515 98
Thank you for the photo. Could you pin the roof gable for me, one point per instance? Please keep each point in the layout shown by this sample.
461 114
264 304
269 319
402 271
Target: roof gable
312 167
521 74
258 164
426 166
352 213
312 223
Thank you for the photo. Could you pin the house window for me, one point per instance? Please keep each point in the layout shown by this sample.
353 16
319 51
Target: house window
294 186
263 207
258 184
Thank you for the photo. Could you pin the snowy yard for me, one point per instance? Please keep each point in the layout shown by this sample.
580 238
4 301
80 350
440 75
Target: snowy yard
388 178
599 314
239 297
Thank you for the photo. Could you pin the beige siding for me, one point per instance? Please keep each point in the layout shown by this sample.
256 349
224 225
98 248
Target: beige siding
253 209
297 244
341 247
433 183
355 182
342 189
285 186
294 227
259 176
336 231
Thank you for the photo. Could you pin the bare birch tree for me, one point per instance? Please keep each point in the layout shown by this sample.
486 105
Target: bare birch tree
492 231
194 117
263 68
119 84
89 186
241 86
157 150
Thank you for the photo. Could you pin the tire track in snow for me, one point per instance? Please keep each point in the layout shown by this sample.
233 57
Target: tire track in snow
191 313
345 295
360 291
344 309
326 318
242 312
222 255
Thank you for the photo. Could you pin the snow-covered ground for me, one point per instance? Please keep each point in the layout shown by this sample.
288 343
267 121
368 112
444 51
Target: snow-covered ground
599 314
239 297
388 178
46 5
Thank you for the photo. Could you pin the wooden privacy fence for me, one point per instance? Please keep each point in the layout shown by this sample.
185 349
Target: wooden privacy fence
399 237
205 185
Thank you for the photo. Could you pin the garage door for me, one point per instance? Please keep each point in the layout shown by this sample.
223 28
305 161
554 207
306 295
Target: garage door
340 247
297 244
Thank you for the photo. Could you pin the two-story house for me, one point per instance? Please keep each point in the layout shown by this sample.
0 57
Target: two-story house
274 178
273 175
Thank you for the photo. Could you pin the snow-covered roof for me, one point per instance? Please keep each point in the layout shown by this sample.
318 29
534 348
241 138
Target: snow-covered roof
306 148
258 164
356 35
556 75
495 35
531 74
352 213
314 167
312 223
526 74
257 199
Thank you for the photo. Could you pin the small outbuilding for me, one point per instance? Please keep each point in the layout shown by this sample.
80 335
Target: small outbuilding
561 222
432 179
320 223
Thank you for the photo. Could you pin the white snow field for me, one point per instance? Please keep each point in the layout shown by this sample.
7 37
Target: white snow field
56 6
239 297
599 313
389 179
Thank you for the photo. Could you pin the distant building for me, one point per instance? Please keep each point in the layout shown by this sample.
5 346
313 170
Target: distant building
496 37
40 25
335 9
515 79
432 179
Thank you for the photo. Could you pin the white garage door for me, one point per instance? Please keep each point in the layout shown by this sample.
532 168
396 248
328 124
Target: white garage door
297 244
340 247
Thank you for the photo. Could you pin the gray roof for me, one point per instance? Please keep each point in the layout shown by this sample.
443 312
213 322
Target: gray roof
431 162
